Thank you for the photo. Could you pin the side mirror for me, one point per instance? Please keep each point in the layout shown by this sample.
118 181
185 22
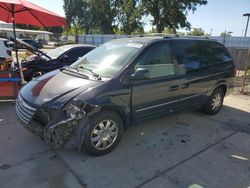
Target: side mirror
140 74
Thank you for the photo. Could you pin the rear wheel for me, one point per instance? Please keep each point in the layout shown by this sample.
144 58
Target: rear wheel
215 102
104 134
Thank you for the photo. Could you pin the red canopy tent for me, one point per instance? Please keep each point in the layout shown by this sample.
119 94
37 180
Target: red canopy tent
24 12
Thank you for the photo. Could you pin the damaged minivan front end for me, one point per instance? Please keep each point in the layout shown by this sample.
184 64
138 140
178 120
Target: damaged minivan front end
53 111
57 126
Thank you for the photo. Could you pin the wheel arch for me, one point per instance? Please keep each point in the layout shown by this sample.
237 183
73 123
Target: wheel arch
119 111
222 84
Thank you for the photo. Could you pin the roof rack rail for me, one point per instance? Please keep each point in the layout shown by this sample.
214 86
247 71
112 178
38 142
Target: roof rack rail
172 36
196 37
158 35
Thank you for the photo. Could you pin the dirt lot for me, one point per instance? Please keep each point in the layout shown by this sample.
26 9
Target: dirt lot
187 149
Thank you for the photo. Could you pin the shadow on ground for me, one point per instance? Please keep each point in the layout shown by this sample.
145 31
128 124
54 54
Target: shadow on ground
177 150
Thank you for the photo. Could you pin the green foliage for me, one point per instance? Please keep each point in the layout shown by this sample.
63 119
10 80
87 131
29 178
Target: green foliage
129 17
107 16
168 31
92 15
227 34
170 13
73 30
197 32
103 15
125 16
78 14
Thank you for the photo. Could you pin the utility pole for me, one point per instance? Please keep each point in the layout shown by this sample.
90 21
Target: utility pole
224 37
211 31
248 15
246 65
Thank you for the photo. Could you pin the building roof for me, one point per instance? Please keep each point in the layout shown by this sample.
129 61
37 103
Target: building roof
25 31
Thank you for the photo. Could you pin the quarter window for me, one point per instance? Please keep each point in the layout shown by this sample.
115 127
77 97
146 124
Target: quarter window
157 60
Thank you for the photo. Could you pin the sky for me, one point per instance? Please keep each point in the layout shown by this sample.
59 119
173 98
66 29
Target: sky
218 15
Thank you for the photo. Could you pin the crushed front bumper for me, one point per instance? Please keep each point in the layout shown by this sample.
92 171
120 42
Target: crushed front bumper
68 132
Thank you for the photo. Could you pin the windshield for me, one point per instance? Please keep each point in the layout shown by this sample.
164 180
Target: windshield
54 54
108 59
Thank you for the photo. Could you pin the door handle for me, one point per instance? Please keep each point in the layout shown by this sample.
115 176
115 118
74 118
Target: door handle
174 88
185 85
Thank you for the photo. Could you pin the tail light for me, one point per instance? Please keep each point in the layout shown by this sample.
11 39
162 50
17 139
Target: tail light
8 52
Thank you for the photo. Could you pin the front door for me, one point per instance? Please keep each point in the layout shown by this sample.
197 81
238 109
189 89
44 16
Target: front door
160 93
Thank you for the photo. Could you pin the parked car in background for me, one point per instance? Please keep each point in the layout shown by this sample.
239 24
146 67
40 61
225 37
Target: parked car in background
41 63
123 82
31 42
42 41
5 49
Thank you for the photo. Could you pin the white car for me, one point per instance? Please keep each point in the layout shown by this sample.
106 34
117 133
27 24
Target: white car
5 49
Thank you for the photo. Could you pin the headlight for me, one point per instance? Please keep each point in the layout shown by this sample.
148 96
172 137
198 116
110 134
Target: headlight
75 109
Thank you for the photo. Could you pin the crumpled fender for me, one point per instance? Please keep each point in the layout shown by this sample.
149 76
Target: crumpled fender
70 132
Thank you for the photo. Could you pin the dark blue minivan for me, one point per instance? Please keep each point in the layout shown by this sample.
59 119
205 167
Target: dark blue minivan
90 103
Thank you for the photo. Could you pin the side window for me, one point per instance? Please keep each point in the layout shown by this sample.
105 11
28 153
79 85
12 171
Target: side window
220 54
194 55
74 54
157 60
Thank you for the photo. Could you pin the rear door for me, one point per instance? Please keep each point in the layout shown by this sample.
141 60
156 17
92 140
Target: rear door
193 59
160 93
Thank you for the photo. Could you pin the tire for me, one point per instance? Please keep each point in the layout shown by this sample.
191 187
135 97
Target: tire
106 128
215 102
36 75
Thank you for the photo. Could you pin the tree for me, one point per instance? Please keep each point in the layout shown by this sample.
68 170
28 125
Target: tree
197 32
103 14
170 13
107 16
168 31
73 30
78 13
129 16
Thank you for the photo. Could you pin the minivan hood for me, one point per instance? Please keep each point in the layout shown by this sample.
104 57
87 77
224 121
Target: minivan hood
55 86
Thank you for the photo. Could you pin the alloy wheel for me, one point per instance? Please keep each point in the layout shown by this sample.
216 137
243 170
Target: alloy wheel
217 101
104 134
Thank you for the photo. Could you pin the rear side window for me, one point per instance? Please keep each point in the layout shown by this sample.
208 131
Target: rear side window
219 54
157 60
199 55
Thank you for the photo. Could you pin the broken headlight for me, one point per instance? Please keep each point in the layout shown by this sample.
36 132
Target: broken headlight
75 109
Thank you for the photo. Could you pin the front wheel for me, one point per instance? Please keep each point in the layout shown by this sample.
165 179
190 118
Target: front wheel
214 102
104 133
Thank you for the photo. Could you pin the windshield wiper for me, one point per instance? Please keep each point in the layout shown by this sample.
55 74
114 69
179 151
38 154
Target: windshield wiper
97 76
72 69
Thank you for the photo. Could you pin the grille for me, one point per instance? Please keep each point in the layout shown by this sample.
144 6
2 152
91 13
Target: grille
24 111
